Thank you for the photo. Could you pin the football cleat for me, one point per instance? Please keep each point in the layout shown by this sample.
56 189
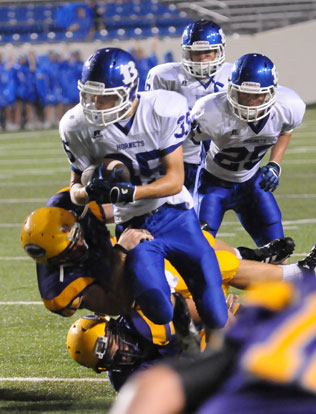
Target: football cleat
274 252
186 332
308 264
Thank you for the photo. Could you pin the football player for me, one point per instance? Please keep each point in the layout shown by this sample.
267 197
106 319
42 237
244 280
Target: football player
127 343
119 346
132 342
266 364
146 132
77 266
255 115
202 71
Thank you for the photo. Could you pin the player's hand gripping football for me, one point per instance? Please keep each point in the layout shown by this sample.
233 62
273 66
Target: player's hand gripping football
271 176
98 189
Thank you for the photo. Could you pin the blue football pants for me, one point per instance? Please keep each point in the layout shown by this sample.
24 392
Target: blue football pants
178 238
257 210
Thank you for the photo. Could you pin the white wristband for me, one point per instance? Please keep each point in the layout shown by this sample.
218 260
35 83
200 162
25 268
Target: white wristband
73 197
278 165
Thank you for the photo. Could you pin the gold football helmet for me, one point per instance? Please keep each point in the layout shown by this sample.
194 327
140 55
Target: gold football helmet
85 339
105 344
50 234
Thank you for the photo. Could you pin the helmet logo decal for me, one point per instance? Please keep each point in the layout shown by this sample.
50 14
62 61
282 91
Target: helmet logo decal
250 86
129 72
222 35
200 42
275 75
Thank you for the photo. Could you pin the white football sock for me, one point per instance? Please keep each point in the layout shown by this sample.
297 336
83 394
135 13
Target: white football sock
292 272
237 253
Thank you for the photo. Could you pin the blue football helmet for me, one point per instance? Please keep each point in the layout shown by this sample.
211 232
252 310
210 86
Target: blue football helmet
252 74
109 71
203 35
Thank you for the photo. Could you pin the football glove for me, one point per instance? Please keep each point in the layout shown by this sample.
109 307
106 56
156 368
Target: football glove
122 193
98 190
116 176
271 176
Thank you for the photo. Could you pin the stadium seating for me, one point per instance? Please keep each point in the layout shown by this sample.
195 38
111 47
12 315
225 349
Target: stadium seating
248 16
39 21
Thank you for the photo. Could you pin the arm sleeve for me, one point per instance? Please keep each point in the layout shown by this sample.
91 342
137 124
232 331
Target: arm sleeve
174 119
155 81
199 130
296 107
76 140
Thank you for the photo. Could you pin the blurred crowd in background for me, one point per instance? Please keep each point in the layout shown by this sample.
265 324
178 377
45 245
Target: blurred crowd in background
85 17
36 90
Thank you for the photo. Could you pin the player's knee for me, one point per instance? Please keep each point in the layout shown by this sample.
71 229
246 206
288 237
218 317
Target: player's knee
156 306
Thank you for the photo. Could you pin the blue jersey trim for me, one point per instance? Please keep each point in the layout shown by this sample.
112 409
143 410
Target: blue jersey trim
259 125
168 150
125 129
216 84
76 170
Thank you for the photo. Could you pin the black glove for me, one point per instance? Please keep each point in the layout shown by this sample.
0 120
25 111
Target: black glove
271 176
122 193
117 176
98 190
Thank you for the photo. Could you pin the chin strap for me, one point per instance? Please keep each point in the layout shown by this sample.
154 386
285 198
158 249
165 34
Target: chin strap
84 212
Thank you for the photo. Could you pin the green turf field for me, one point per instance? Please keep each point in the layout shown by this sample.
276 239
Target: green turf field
37 375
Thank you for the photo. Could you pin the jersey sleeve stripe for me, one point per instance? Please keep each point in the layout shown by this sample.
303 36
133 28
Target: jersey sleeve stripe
168 150
71 291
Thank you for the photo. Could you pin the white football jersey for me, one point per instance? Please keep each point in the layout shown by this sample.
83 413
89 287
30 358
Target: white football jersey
173 77
160 124
237 147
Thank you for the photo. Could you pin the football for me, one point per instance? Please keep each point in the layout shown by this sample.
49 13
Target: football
109 165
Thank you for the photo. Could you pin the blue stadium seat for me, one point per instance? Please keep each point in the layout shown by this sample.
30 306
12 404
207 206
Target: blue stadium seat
134 19
3 14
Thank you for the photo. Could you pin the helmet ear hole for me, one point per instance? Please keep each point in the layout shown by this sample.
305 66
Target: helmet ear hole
35 251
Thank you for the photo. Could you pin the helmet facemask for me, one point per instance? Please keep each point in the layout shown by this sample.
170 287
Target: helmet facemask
251 113
118 350
104 117
203 69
